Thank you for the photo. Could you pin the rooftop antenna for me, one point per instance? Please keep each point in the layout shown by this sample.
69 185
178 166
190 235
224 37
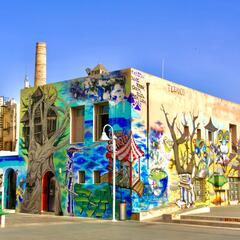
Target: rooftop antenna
26 81
163 68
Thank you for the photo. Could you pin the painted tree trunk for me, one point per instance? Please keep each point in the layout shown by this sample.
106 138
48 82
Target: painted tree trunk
32 200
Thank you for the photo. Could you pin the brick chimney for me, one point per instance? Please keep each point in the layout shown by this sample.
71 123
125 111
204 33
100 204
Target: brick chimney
40 64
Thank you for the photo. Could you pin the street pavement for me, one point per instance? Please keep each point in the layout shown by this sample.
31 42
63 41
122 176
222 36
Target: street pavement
39 227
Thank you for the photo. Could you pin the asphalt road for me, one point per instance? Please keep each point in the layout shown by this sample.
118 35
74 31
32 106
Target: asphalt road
71 230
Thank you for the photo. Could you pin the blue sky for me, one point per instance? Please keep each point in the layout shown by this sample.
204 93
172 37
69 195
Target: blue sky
199 40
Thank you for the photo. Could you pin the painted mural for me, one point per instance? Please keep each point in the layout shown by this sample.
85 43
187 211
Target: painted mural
12 170
185 169
44 126
1 188
181 167
160 155
224 168
52 161
106 87
161 159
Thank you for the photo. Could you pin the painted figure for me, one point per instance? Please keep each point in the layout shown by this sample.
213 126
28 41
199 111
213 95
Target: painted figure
186 189
69 180
156 145
19 192
102 88
158 180
221 148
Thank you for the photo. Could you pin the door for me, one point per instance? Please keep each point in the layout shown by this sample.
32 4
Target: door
48 192
51 199
11 189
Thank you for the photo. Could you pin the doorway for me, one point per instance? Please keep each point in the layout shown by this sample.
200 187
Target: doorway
11 178
48 192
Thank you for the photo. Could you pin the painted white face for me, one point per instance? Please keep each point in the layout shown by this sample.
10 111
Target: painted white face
224 149
154 186
223 138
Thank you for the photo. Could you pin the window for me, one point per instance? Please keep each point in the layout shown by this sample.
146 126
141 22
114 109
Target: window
6 146
199 134
81 176
234 189
233 137
200 189
101 119
51 122
38 130
4 123
210 136
96 176
11 146
77 121
186 131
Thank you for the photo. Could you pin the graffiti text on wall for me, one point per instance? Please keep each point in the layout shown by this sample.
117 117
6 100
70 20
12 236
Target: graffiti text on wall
176 90
137 97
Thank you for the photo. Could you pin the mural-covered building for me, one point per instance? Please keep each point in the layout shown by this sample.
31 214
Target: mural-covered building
175 145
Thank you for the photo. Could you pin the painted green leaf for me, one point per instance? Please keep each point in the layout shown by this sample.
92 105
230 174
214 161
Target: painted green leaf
81 199
80 190
102 206
95 197
99 213
89 212
79 209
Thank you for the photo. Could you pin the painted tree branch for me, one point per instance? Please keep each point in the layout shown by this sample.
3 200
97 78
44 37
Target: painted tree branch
188 157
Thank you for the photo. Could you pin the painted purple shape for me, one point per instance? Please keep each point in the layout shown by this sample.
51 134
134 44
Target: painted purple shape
130 98
137 107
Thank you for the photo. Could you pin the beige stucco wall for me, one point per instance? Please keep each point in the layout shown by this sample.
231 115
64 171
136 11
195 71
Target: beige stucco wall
178 99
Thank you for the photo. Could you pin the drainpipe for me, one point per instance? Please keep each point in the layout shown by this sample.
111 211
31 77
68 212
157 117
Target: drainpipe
147 86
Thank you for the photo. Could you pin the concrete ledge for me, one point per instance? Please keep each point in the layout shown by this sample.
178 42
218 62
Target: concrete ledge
8 153
196 211
211 218
157 212
167 217
9 210
207 223
173 210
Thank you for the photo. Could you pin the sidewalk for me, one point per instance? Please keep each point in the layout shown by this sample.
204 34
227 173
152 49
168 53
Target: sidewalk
22 219
223 211
221 216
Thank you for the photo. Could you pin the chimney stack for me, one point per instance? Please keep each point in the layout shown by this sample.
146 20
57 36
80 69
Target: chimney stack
40 64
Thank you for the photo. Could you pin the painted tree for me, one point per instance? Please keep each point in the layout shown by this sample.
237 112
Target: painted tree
184 160
44 132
